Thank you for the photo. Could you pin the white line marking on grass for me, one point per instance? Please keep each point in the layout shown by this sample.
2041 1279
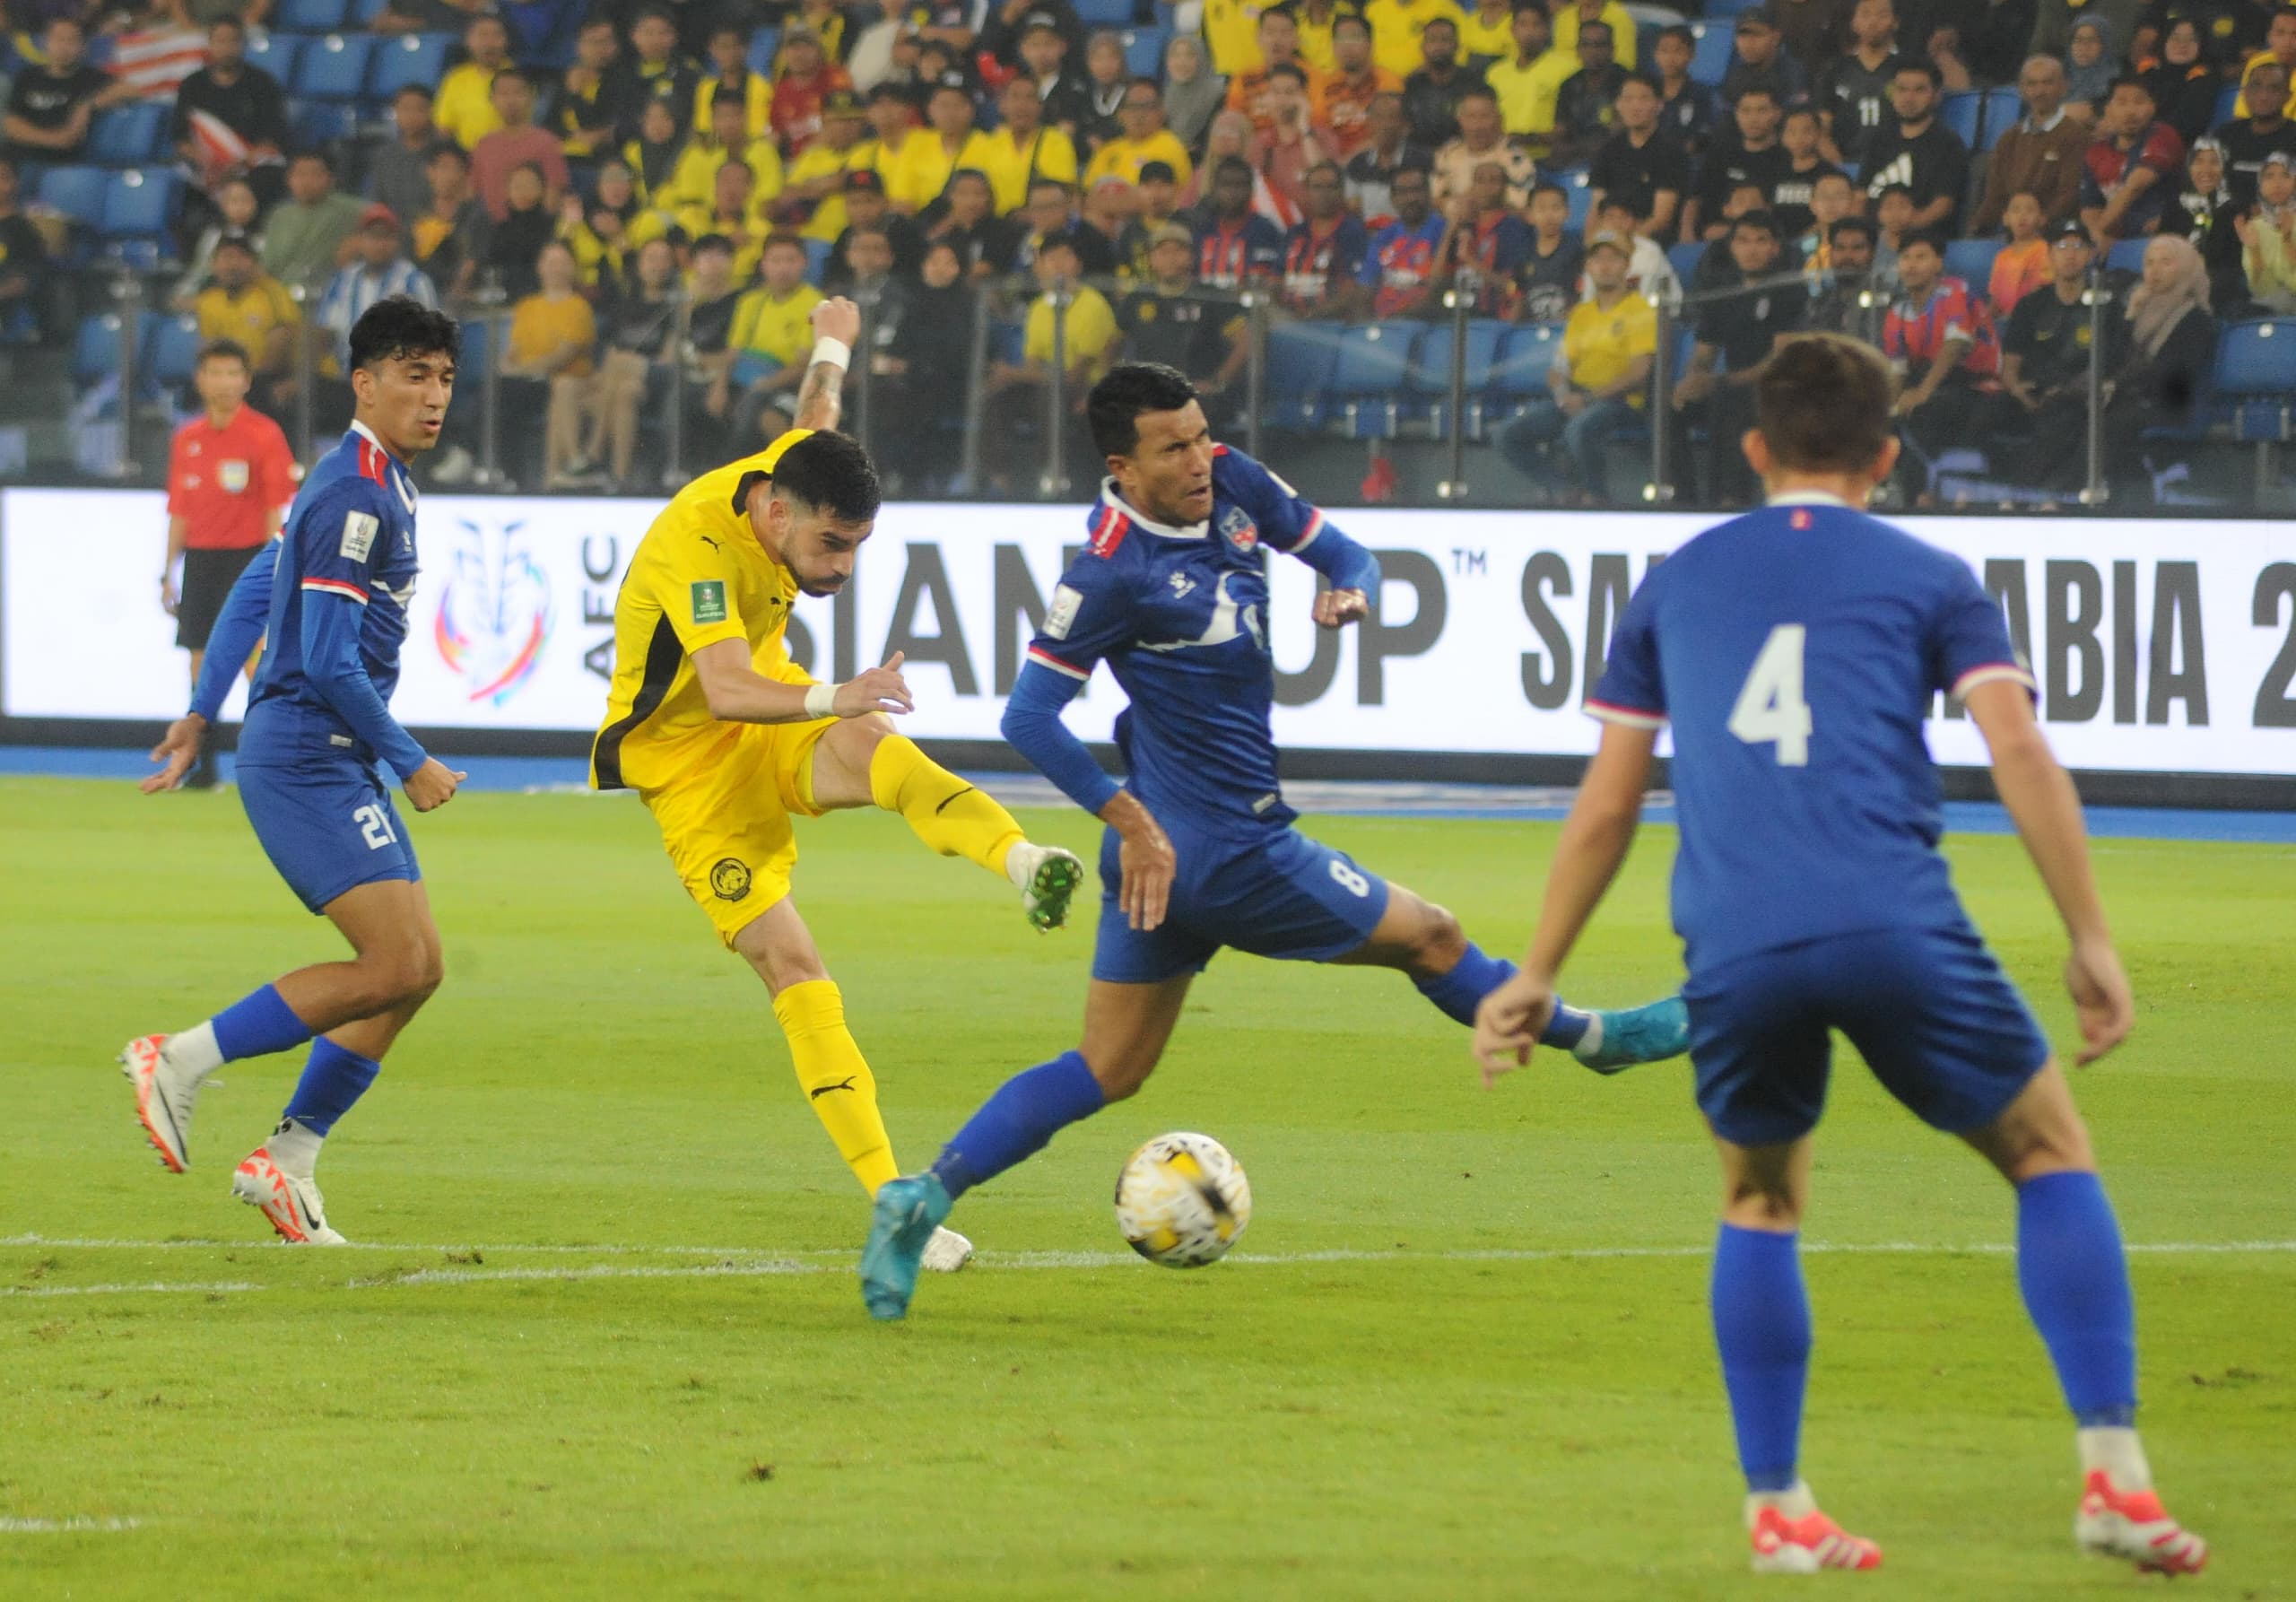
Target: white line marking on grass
741 1266
74 1525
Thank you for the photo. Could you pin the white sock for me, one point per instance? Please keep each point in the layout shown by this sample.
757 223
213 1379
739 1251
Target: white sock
295 1148
2116 1449
195 1050
1796 1503
1021 864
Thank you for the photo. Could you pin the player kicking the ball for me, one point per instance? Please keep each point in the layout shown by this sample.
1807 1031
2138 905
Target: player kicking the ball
1795 651
726 739
1200 853
318 724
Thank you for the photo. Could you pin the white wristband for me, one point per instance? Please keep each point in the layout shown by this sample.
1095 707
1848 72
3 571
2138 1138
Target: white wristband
835 352
821 701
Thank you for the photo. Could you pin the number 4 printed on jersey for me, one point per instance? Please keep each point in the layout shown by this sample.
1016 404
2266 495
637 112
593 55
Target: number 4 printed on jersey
1771 707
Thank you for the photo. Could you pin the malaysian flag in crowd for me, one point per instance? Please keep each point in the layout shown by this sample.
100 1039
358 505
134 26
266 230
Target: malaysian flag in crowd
154 60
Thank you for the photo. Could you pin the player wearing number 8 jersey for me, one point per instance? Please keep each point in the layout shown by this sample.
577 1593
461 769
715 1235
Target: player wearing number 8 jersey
1796 652
317 737
1200 854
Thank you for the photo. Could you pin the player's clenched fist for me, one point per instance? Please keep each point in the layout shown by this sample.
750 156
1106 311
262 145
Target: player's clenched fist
432 784
836 318
1336 608
878 690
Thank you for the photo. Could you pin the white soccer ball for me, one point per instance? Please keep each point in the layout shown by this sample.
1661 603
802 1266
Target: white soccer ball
1182 1200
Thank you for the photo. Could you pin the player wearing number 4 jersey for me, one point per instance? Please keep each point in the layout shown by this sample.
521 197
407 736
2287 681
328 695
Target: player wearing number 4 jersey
1200 853
318 734
1796 652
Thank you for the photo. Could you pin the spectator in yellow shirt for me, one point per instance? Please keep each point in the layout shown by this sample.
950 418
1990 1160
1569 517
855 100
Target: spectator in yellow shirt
1598 386
1315 19
464 110
1087 342
1527 81
694 187
734 211
1396 28
772 334
1279 46
951 143
1232 28
548 359
1024 149
606 233
814 186
246 305
892 124
2279 46
1488 34
730 78
1569 13
1145 139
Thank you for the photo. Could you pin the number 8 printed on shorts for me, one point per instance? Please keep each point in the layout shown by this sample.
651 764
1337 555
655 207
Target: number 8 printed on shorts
1771 707
1348 879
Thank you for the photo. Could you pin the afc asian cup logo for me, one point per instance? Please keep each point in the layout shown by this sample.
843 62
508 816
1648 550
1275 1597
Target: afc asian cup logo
494 612
1236 528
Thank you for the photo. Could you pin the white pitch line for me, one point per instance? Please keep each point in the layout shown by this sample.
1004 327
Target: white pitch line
789 1265
80 1525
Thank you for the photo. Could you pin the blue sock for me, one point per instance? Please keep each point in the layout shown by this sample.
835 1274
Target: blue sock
1762 1323
1456 993
2075 1280
257 1025
333 1080
1027 1111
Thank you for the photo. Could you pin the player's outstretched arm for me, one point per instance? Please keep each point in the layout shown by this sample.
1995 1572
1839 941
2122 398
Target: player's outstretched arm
237 631
2047 810
1145 860
1587 857
738 693
837 324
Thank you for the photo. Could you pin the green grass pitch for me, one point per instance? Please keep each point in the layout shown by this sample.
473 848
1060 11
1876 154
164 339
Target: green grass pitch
601 1337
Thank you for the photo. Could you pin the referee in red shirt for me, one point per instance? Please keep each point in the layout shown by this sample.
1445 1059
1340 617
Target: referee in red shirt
229 478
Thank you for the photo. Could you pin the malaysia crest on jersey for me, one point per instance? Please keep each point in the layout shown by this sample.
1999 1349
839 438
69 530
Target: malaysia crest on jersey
1236 528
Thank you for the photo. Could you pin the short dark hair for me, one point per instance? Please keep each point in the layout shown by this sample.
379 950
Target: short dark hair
1927 69
1646 80
418 88
1547 187
1439 22
782 239
237 25
1131 389
1477 92
1227 165
1822 404
2131 81
716 242
1766 90
1793 111
311 153
1922 236
832 473
1584 28
1681 34
1761 220
400 326
1859 225
1357 18
510 69
1289 69
223 350
1889 189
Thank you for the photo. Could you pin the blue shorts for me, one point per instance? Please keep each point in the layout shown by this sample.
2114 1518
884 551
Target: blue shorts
1928 1009
328 825
1279 894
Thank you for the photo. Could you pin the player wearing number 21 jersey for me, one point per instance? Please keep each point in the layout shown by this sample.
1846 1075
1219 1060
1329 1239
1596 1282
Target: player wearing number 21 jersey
1200 853
1796 652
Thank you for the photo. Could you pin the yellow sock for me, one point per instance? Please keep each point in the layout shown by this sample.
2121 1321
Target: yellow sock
836 1079
948 814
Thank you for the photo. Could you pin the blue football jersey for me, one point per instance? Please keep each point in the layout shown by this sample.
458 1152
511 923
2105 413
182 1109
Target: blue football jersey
1795 651
350 534
1180 617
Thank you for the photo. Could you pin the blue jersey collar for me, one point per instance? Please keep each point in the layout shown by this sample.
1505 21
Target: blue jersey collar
1109 498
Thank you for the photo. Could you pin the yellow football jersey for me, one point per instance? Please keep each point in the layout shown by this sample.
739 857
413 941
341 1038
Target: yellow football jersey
698 576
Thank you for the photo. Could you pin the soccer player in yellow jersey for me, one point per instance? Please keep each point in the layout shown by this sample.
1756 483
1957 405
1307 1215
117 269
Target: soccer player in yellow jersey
726 739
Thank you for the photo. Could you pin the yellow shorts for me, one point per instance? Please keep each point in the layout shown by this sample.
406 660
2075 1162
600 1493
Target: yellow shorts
727 829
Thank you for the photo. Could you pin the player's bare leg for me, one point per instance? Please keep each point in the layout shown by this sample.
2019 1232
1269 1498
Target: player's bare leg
830 1069
2075 1277
1126 1029
1423 942
1762 1323
864 762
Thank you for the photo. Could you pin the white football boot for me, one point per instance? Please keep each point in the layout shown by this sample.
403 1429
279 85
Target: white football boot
1048 878
946 1252
165 1095
292 1205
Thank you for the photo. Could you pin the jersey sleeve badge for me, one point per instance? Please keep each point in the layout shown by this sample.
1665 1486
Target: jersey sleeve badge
359 531
1062 616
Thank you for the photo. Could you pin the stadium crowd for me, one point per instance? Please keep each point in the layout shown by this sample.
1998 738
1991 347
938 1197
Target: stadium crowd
643 187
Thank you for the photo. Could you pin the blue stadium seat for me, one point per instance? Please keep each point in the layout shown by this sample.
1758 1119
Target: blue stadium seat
2258 359
310 16
95 352
1367 381
470 365
1005 342
275 54
2226 102
763 43
2003 108
1962 112
1684 258
2127 256
1971 262
1718 42
315 123
1429 381
816 260
335 68
77 192
363 13
1144 51
175 352
1518 372
128 135
1300 359
139 203
1580 193
414 58
1104 14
